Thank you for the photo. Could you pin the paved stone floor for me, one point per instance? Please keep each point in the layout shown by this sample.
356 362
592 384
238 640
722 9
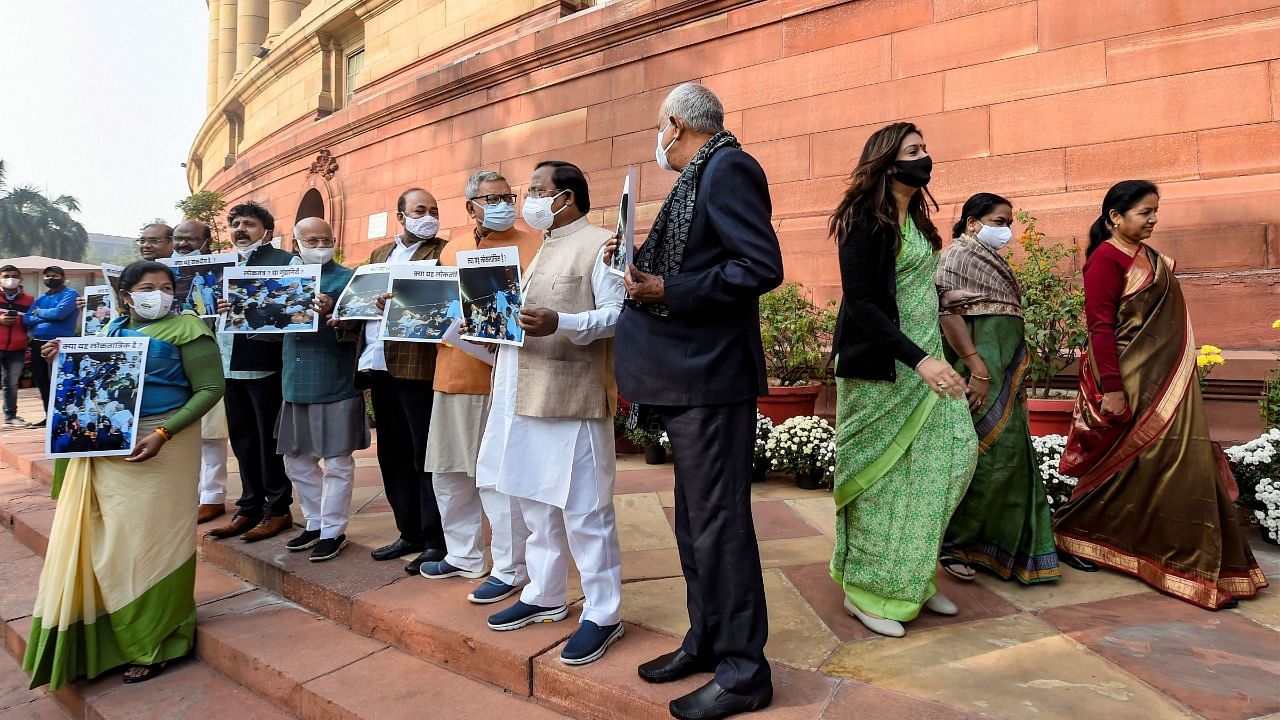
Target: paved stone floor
1090 646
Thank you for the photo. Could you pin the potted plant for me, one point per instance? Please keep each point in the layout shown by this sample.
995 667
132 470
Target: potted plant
621 441
1269 404
805 446
650 440
1256 467
760 459
1055 331
795 333
1057 487
1207 359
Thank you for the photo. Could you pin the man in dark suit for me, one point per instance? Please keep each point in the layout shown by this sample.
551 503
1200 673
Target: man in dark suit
688 346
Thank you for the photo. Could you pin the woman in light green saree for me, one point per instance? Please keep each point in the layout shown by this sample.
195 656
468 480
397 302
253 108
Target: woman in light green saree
119 575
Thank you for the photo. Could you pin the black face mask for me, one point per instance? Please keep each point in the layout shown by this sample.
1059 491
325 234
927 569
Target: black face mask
914 173
53 283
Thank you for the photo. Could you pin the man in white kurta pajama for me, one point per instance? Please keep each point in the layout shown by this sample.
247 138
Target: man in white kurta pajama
549 437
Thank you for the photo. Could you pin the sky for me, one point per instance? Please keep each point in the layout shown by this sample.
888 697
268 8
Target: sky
100 99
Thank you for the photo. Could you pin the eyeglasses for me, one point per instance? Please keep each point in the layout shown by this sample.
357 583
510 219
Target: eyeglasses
319 242
494 199
531 193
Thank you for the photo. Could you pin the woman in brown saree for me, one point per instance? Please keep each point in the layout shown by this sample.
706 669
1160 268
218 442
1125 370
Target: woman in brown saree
1152 500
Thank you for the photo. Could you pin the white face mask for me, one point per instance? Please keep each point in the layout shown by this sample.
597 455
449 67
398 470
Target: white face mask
424 227
995 237
247 250
537 211
661 153
316 256
10 283
151 304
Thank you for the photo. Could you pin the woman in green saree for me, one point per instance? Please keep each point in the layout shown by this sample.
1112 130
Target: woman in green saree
905 446
117 587
1003 524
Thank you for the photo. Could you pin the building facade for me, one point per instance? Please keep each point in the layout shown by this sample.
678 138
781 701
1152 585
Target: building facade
332 107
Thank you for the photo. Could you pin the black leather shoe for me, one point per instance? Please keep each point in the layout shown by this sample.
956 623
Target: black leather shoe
397 549
415 565
673 666
1077 562
711 702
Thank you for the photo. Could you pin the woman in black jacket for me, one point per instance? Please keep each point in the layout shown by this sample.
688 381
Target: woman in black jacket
905 445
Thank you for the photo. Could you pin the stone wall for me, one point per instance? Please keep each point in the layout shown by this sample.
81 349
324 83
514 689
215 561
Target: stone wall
1044 101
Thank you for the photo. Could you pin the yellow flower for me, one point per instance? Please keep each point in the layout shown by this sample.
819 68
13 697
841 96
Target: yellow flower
1210 350
1201 361
1276 325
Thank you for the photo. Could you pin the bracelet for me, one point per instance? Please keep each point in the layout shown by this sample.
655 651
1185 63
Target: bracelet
164 433
976 376
922 361
975 352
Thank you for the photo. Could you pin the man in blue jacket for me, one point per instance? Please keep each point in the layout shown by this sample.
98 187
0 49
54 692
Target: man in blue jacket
52 315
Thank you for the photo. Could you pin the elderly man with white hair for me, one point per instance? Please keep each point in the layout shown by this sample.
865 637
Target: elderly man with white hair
688 352
323 416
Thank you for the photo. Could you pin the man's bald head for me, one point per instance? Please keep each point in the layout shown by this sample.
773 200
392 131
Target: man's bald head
191 236
314 240
312 226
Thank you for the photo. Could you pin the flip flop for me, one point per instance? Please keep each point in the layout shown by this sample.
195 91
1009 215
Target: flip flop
152 671
949 562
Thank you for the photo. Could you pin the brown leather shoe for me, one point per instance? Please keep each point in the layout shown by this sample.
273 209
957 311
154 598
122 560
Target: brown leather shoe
208 511
269 528
239 523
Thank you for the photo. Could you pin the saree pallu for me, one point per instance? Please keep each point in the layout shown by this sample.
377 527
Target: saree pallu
903 460
1150 501
118 581
1003 523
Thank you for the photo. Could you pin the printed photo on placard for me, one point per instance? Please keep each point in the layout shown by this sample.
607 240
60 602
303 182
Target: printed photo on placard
270 299
489 285
99 309
626 228
424 303
112 275
95 395
359 299
198 285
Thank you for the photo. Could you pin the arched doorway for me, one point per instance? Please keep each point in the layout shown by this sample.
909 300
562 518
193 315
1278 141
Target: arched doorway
312 205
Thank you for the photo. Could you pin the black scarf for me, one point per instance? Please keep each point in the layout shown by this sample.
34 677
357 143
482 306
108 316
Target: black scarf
662 253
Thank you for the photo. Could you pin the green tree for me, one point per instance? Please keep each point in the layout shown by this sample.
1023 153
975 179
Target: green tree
206 206
32 224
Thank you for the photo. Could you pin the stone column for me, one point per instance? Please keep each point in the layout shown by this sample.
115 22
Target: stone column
226 44
283 13
251 31
215 30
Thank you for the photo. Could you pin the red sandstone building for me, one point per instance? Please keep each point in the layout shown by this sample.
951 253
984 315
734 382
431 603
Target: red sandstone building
331 107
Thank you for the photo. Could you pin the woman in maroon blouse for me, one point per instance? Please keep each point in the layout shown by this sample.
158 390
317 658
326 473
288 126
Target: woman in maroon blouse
1152 499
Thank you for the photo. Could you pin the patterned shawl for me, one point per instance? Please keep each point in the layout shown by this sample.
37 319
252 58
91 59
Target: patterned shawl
973 279
662 253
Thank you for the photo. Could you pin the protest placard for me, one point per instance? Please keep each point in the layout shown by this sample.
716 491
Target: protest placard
95 396
198 280
270 299
359 299
626 227
489 285
99 309
424 301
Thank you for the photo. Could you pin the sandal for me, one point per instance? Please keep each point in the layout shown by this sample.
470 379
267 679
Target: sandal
149 672
1077 562
951 562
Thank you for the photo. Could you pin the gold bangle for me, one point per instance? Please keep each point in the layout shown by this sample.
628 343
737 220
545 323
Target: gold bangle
983 378
975 352
164 433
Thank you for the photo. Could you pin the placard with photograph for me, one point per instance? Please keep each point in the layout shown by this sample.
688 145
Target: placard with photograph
99 309
95 396
270 299
111 273
626 228
489 285
359 299
424 302
198 280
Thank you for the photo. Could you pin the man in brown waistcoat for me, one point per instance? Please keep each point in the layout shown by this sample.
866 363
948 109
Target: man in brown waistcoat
549 438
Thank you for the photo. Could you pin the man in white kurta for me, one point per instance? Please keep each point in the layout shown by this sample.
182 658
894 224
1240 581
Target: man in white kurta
549 437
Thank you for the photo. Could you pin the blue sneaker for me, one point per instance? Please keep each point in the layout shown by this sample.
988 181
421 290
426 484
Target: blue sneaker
436 569
589 643
491 591
521 614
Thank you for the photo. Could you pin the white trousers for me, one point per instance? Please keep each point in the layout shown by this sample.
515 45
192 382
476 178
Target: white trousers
592 539
213 471
325 496
462 507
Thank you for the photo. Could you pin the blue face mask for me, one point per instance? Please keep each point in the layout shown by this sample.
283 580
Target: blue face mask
498 218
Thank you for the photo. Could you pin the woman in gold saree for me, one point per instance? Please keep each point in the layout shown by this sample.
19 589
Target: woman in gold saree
1151 501
119 574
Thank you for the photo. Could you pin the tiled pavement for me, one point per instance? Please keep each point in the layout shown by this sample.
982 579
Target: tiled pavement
1093 645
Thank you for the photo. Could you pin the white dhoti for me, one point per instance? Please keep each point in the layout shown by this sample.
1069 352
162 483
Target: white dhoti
562 472
213 456
307 434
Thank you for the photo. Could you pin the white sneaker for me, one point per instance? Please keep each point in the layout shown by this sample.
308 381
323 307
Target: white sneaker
942 605
882 626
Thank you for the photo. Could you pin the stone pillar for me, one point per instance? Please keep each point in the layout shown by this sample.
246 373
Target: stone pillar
226 44
251 31
283 13
215 30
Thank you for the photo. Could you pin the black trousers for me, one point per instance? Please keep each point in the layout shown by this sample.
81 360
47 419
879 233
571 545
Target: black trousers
252 409
728 620
40 372
402 411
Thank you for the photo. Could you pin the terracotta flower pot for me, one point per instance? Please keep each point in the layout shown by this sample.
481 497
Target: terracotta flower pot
783 403
1050 416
